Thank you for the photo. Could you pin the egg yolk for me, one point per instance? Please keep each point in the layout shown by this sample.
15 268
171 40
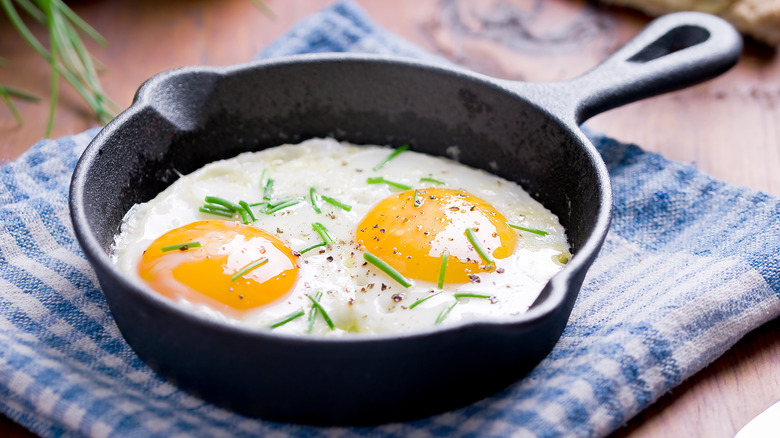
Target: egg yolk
236 267
413 236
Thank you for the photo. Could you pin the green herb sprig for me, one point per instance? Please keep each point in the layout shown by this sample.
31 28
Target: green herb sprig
422 300
281 205
386 268
223 207
284 320
445 257
381 180
316 245
181 246
446 311
336 203
392 155
316 303
472 236
432 180
323 232
313 313
241 272
315 200
67 55
530 230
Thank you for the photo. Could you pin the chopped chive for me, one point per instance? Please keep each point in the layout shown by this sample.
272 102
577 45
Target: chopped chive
470 295
268 190
420 301
323 232
432 180
338 204
387 269
248 210
181 246
305 250
445 312
316 303
392 155
223 202
315 200
278 202
530 230
218 212
244 216
288 318
248 268
218 207
443 268
282 205
257 204
480 250
417 201
381 179
313 313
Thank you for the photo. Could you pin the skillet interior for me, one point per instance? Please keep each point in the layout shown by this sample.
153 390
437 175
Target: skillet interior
187 118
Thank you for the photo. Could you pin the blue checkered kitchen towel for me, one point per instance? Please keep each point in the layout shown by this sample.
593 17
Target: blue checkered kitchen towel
681 278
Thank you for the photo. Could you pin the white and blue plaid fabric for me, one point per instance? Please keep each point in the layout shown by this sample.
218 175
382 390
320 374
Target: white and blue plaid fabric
689 267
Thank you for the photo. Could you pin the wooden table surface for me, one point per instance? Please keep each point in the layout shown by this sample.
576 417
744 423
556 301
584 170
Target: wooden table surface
728 127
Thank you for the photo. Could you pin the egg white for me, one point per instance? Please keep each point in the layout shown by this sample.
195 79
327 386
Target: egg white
357 296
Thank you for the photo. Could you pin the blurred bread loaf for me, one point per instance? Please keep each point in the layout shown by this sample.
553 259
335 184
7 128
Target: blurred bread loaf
758 18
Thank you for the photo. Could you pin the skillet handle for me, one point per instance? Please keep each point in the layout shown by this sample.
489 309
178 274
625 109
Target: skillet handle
672 52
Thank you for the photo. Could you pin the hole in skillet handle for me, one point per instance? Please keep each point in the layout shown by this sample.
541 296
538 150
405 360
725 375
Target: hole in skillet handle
673 41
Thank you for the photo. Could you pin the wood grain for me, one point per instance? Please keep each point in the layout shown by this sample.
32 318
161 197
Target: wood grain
728 127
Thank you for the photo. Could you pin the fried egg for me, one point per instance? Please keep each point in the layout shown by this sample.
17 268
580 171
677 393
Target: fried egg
330 239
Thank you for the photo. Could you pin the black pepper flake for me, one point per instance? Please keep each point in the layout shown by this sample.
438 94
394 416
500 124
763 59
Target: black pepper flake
398 298
474 278
384 286
493 300
382 230
330 258
240 297
500 270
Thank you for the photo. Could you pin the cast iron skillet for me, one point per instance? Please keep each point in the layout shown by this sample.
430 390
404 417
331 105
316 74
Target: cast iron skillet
524 132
